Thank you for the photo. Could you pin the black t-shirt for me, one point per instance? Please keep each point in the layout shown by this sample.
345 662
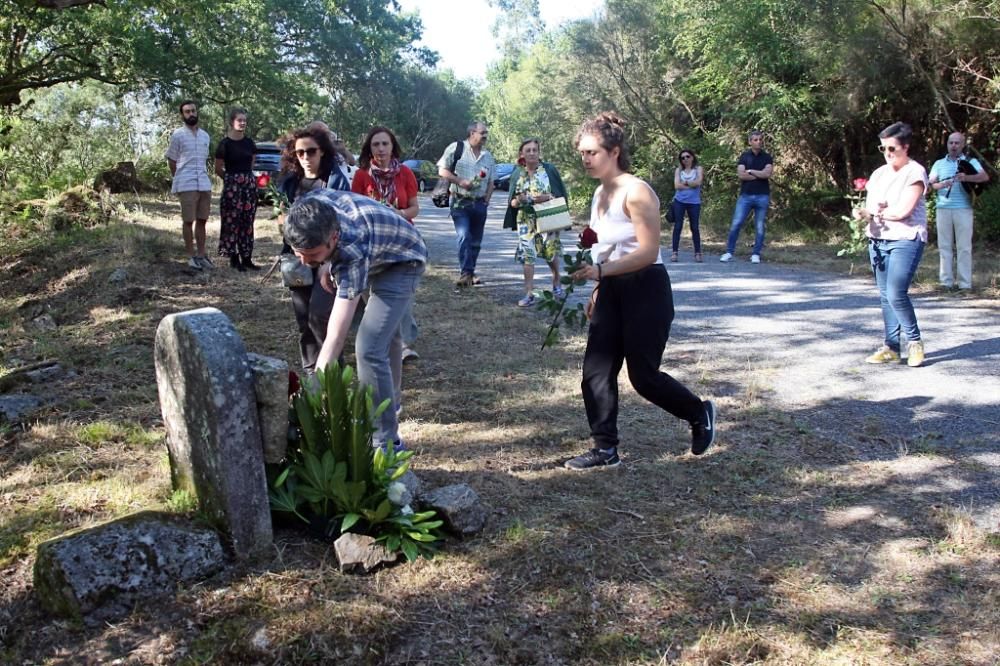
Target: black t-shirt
757 163
237 155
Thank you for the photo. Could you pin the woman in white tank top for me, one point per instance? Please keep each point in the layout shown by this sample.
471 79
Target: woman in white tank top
632 306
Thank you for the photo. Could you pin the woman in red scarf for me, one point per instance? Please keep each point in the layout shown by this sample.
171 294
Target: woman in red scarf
382 177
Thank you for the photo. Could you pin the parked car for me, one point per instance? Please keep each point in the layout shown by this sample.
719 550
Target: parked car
267 168
501 176
426 173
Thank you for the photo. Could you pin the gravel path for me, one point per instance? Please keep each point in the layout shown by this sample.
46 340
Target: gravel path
808 334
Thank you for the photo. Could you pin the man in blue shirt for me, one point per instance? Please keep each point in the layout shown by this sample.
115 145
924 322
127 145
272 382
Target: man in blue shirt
369 247
953 216
754 170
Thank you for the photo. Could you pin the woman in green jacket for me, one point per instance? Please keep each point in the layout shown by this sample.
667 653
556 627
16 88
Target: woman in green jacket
534 181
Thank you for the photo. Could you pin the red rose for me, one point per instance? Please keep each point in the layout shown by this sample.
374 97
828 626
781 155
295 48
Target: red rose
860 184
588 238
293 383
482 173
521 161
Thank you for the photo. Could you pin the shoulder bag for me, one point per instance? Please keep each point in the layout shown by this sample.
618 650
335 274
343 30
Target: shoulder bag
441 195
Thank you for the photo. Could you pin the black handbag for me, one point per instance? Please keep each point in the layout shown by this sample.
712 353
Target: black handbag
671 218
441 195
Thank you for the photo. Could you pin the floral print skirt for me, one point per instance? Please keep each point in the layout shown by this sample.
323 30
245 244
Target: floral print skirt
531 245
238 208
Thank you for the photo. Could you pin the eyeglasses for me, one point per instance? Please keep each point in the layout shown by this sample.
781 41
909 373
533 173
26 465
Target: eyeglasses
686 157
302 152
887 149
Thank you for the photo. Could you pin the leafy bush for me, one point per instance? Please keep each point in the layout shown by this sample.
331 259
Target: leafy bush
987 212
334 478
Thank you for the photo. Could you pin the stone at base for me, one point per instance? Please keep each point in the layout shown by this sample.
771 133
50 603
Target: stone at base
459 507
105 570
270 383
360 551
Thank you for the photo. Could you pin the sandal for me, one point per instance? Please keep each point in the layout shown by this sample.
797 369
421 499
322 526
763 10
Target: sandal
697 257
673 257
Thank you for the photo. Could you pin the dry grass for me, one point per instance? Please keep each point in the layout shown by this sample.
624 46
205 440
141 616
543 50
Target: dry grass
778 547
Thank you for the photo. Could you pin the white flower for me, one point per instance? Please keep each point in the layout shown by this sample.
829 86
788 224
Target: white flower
406 510
396 493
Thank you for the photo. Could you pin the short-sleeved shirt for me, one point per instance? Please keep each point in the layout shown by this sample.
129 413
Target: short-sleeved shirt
945 169
190 151
236 155
757 163
469 166
372 238
888 186
406 186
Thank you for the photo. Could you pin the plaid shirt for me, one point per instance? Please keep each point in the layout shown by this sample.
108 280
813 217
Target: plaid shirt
469 166
372 238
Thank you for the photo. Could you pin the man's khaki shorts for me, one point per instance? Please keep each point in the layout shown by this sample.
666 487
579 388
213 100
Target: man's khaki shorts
195 205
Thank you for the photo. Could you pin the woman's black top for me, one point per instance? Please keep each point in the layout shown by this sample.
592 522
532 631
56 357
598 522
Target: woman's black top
236 155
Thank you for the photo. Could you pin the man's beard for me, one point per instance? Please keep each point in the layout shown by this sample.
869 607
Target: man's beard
191 121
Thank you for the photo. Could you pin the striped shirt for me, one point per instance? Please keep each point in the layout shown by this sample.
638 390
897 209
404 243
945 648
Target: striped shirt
190 151
469 166
372 238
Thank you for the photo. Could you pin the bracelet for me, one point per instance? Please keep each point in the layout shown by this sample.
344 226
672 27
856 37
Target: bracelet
598 272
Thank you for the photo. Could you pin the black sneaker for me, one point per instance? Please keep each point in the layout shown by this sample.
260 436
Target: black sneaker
594 458
703 432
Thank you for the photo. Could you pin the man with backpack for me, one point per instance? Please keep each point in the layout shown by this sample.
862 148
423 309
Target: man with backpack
471 186
954 177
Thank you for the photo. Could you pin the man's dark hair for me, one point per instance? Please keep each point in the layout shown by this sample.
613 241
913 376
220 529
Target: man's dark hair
754 133
310 221
180 109
899 131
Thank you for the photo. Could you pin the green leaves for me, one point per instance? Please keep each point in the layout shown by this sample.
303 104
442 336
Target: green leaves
332 472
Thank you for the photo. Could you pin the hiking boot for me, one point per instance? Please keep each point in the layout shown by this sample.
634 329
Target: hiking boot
703 432
915 354
205 262
726 258
193 263
248 264
234 262
885 355
594 458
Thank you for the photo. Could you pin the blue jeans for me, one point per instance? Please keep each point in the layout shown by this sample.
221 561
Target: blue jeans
894 263
694 214
379 347
470 221
757 203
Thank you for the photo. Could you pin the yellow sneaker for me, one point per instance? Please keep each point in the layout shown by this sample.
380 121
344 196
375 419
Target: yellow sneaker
884 355
915 354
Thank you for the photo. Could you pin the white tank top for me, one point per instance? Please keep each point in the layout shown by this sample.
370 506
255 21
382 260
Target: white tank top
615 231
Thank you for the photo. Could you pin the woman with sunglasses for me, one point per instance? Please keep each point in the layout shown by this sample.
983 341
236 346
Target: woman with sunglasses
687 199
897 228
308 158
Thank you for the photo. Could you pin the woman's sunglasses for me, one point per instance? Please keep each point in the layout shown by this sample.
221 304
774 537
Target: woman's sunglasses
686 157
302 152
887 149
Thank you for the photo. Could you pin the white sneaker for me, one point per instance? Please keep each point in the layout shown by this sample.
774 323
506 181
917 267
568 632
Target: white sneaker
754 258
194 263
205 262
728 256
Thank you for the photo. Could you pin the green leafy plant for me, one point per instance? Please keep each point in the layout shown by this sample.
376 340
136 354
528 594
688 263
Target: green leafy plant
333 476
856 241
577 316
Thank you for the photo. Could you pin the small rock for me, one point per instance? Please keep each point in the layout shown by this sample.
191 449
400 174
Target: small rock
14 408
118 276
359 550
413 485
260 640
270 383
46 374
45 322
459 507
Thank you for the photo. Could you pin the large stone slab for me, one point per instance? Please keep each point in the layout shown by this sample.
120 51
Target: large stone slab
107 569
270 381
210 412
